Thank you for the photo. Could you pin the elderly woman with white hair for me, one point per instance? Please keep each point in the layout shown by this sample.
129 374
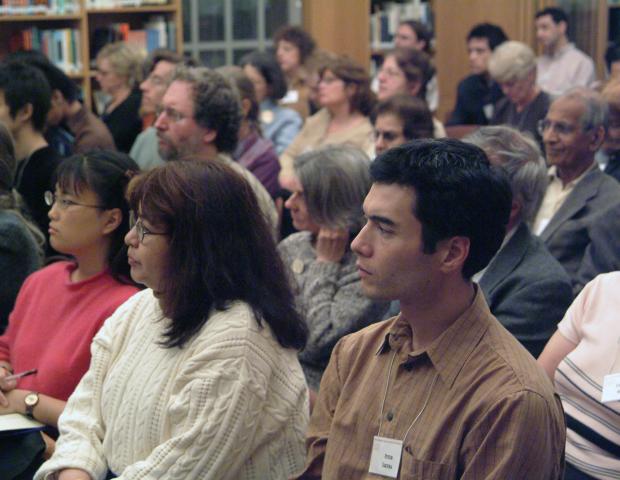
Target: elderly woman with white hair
329 187
513 66
526 288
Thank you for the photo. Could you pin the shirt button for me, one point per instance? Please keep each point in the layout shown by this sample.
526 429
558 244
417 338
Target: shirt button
389 416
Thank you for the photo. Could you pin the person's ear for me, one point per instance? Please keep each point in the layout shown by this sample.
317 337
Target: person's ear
597 137
415 87
209 136
453 253
246 106
24 114
114 217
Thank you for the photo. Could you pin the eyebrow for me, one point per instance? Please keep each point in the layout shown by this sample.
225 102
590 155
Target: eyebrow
380 219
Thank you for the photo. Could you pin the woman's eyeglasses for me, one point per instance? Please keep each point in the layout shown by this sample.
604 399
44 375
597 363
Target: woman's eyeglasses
63 203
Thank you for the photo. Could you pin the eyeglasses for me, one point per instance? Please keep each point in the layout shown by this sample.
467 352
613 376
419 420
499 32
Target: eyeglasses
559 127
64 203
387 135
141 230
173 115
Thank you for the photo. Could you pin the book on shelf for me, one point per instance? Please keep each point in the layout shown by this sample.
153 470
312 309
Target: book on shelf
39 7
156 33
61 46
101 4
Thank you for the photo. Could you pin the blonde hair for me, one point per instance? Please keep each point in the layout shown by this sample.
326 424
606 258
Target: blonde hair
125 61
511 61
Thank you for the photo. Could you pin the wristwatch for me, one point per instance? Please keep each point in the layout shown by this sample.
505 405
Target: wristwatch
31 400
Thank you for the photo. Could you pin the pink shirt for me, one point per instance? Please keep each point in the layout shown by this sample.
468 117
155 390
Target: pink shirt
53 323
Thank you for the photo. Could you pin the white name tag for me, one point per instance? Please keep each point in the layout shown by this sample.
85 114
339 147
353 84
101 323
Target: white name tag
385 458
292 96
611 388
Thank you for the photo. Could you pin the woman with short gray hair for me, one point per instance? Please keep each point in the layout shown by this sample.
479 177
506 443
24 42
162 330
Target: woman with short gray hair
330 185
513 66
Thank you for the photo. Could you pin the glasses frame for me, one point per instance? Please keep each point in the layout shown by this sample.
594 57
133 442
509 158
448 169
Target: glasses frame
141 230
51 198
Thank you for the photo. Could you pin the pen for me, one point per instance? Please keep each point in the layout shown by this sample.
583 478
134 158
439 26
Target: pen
20 375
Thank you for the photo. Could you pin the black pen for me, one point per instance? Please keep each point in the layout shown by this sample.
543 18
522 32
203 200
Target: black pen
20 375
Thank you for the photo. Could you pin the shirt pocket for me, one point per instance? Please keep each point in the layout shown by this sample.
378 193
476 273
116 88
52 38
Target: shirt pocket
425 470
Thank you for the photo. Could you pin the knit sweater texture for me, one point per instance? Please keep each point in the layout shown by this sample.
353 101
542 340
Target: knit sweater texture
330 298
231 404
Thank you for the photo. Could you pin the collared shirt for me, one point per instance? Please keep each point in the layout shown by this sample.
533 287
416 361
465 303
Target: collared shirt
568 67
555 195
491 412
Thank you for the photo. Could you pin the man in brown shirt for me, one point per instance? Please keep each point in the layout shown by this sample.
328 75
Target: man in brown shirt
442 390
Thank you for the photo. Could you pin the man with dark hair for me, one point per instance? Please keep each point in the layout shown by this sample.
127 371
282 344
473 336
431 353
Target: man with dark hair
67 114
200 118
144 149
442 390
478 93
399 119
24 103
561 66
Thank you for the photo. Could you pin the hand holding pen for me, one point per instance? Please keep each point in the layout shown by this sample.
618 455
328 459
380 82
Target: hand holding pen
6 386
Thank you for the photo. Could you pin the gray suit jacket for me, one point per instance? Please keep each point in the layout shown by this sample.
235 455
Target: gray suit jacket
527 290
603 253
569 231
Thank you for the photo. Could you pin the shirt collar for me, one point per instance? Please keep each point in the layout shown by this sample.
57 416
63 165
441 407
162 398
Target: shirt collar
449 352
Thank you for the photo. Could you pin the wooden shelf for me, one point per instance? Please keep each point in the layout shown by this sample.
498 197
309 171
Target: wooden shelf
39 18
123 10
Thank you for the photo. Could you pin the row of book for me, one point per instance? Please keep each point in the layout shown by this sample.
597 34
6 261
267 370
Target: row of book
383 23
67 7
156 32
39 7
61 46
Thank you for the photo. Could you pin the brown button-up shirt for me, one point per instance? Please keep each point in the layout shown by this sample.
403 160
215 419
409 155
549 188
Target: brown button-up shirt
491 414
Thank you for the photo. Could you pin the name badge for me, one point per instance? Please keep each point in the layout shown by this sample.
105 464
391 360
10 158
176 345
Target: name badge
292 96
385 457
611 388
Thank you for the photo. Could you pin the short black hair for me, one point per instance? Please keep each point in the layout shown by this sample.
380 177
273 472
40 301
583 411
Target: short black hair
493 33
612 54
23 84
557 14
269 68
57 79
458 193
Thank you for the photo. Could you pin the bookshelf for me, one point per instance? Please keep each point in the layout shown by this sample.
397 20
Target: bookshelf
64 29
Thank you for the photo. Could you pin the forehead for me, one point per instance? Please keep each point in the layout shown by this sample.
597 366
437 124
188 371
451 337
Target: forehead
389 121
406 30
287 45
391 201
569 110
545 20
478 43
179 96
163 68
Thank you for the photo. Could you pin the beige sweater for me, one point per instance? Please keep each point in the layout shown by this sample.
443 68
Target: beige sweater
231 404
314 135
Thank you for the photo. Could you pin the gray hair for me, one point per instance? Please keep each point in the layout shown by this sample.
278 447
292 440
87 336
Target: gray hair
217 105
511 61
335 180
519 156
125 60
596 109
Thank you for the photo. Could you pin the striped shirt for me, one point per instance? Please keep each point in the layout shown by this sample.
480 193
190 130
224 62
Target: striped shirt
491 410
593 436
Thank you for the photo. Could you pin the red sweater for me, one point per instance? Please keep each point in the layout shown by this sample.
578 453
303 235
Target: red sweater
53 323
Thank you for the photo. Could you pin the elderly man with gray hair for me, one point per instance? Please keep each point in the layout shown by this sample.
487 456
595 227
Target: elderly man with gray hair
527 290
513 66
578 192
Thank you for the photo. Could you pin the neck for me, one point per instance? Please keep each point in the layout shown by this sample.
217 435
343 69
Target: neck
557 46
91 261
118 96
27 141
429 319
529 99
567 175
209 152
244 130
341 113
73 108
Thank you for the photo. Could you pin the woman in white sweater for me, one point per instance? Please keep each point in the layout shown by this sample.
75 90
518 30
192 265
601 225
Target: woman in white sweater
196 377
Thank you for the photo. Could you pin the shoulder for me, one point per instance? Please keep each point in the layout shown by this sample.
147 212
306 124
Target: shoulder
366 341
547 267
285 114
296 241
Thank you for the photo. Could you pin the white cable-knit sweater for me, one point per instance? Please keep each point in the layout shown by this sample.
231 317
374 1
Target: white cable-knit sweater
231 404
